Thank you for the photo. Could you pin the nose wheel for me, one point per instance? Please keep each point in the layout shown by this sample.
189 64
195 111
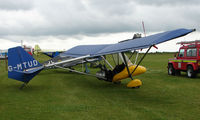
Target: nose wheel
136 83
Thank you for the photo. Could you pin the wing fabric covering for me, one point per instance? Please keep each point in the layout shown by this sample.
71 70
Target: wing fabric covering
128 45
83 50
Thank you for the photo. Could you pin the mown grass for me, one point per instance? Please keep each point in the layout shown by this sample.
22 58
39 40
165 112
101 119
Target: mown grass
58 94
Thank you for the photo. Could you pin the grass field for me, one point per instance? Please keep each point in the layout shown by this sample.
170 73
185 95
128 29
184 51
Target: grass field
57 95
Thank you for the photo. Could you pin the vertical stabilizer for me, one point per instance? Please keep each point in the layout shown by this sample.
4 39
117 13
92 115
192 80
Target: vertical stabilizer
22 66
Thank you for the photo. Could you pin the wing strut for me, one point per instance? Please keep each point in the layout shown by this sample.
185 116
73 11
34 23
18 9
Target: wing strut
113 59
136 58
142 59
129 74
107 62
131 55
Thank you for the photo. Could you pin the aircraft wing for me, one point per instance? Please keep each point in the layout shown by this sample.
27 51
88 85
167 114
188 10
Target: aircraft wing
81 53
127 45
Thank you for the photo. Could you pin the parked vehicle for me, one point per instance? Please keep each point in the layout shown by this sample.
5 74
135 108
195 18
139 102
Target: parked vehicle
28 49
187 60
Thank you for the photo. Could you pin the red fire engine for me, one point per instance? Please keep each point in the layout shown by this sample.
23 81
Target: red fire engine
187 60
28 49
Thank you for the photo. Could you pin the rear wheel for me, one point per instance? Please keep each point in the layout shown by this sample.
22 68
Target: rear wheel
171 70
190 72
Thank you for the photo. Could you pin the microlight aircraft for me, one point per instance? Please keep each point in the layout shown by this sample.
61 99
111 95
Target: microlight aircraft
50 53
23 67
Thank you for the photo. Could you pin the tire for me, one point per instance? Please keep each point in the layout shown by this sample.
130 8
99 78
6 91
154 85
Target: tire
190 72
171 70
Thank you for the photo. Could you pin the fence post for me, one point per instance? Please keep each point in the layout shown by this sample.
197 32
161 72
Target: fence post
6 63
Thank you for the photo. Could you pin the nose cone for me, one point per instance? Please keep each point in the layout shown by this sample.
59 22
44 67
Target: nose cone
124 73
139 70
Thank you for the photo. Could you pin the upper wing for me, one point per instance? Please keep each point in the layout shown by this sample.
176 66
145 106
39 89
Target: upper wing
83 50
128 45
75 56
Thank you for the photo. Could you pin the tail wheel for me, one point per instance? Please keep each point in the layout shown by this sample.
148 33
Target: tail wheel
190 72
171 70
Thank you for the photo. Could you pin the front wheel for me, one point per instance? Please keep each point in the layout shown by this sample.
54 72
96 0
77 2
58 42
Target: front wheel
171 70
190 72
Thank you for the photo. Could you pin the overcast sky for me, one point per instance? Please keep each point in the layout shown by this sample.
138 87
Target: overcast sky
61 24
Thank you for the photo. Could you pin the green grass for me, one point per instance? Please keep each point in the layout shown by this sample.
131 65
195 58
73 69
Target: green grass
57 95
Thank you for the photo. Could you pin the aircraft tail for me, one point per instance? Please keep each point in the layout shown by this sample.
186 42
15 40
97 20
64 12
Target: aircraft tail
22 66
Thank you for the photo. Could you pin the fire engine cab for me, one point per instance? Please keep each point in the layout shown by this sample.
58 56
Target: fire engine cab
187 60
28 49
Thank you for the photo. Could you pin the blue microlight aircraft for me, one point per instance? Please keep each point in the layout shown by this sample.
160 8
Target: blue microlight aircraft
23 67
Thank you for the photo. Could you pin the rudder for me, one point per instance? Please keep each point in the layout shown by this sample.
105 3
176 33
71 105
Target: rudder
22 66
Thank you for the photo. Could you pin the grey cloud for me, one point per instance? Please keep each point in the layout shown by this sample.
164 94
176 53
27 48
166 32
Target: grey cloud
74 17
91 17
71 17
167 2
16 4
113 7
